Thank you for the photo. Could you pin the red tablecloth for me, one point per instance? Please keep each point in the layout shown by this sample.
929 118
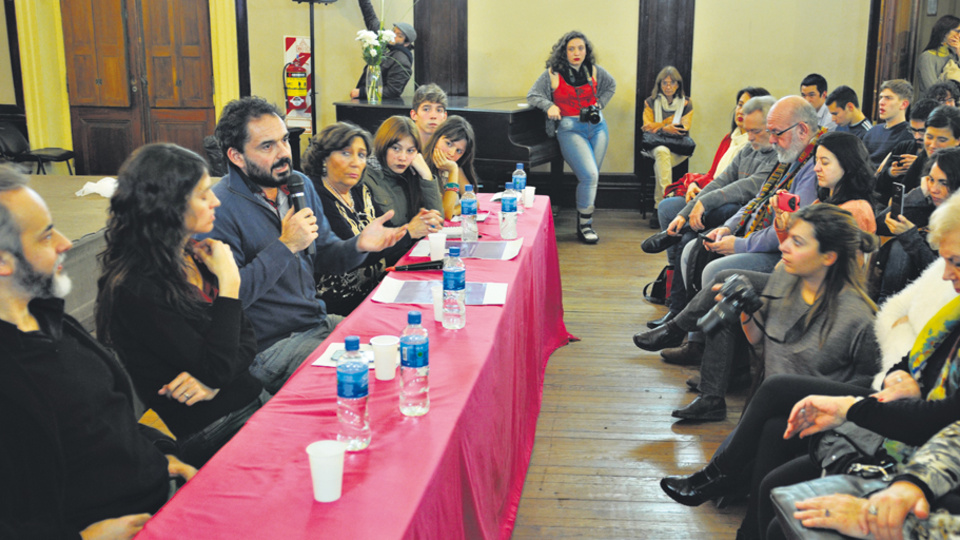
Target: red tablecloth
456 472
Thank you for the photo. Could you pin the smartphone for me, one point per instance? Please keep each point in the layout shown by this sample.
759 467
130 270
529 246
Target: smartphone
896 205
705 238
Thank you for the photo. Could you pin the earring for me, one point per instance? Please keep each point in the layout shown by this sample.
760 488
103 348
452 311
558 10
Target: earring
323 169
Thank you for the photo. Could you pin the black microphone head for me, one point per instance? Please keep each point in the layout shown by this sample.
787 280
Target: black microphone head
295 184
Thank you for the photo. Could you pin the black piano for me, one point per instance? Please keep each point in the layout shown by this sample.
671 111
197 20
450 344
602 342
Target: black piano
507 133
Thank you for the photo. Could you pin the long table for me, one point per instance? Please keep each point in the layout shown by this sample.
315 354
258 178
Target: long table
456 472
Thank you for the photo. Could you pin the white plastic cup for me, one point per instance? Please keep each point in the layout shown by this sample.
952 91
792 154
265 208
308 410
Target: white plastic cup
437 291
528 194
438 245
385 351
326 469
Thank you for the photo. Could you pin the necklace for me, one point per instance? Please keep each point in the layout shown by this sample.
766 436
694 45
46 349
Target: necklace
337 194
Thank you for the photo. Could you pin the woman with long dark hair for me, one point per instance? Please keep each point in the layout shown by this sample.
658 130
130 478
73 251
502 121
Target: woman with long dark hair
943 46
169 304
573 86
450 152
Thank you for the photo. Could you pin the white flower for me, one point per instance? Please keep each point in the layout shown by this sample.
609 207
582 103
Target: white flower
388 36
372 52
367 37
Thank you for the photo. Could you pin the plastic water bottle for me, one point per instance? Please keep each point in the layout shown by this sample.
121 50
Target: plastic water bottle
519 184
468 214
353 388
454 291
414 367
508 213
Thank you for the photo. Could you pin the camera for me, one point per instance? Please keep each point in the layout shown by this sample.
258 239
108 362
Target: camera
788 202
590 114
738 296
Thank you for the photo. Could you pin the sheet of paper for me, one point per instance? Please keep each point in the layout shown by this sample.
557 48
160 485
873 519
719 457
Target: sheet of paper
334 350
395 291
502 250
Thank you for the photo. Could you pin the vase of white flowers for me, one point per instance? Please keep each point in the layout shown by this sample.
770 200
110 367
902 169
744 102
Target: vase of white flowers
374 46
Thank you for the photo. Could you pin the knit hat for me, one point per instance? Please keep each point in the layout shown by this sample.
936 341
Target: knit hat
407 30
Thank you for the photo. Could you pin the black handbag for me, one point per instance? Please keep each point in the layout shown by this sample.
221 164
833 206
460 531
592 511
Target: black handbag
786 497
682 145
660 287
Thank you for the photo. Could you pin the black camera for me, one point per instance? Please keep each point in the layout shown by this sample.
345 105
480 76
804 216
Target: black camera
738 295
590 114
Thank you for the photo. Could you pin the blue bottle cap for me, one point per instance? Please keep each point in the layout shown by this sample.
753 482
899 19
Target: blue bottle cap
509 185
520 166
468 187
454 251
351 343
413 317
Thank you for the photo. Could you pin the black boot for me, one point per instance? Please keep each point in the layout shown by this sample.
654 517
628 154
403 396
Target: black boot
697 488
585 231
668 335
703 408
657 323
689 353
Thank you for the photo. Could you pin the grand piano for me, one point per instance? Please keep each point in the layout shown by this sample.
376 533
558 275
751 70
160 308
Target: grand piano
507 130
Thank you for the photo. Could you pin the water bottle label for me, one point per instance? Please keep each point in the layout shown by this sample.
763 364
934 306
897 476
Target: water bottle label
519 183
468 207
454 279
508 204
353 380
415 355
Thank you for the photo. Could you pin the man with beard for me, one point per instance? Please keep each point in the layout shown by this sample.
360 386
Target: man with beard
748 240
73 456
269 240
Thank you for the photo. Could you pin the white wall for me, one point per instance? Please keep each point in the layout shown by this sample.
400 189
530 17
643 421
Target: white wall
739 43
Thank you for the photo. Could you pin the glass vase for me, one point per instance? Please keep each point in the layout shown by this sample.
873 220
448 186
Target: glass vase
374 85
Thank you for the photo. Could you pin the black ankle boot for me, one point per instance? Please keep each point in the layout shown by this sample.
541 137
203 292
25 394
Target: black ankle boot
585 231
697 488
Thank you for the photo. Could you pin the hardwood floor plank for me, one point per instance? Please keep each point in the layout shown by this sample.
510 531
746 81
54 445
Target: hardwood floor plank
605 436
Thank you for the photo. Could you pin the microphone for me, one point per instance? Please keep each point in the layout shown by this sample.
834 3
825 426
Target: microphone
295 187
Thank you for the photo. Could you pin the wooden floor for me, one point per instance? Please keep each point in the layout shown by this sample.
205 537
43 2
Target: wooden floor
605 436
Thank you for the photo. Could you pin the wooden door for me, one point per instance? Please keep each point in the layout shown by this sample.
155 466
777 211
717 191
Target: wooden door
105 110
176 41
135 78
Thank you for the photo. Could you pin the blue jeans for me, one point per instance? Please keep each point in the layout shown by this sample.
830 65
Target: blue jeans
583 146
198 448
274 365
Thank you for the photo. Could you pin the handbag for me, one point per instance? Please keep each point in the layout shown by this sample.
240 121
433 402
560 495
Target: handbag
838 449
785 499
699 259
660 287
682 145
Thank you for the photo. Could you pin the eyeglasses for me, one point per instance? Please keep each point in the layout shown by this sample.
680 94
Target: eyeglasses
920 131
780 133
668 83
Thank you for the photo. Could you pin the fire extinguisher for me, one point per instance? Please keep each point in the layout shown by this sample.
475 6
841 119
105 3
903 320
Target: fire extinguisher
295 82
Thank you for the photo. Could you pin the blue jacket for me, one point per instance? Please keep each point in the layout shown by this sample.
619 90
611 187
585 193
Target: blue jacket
277 288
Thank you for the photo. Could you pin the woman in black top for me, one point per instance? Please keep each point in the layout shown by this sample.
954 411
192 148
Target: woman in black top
169 304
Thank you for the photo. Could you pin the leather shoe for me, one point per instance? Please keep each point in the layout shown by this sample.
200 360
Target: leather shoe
689 353
703 408
665 336
659 242
697 488
657 323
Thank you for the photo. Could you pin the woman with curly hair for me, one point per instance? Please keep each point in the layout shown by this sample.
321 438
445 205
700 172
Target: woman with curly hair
335 161
169 304
572 91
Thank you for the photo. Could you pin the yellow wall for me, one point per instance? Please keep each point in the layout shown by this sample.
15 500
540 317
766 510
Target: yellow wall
509 42
338 63
7 96
735 44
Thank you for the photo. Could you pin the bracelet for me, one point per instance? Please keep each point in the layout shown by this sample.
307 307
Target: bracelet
451 186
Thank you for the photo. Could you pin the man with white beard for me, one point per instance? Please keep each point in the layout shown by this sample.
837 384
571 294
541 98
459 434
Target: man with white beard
73 456
748 240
